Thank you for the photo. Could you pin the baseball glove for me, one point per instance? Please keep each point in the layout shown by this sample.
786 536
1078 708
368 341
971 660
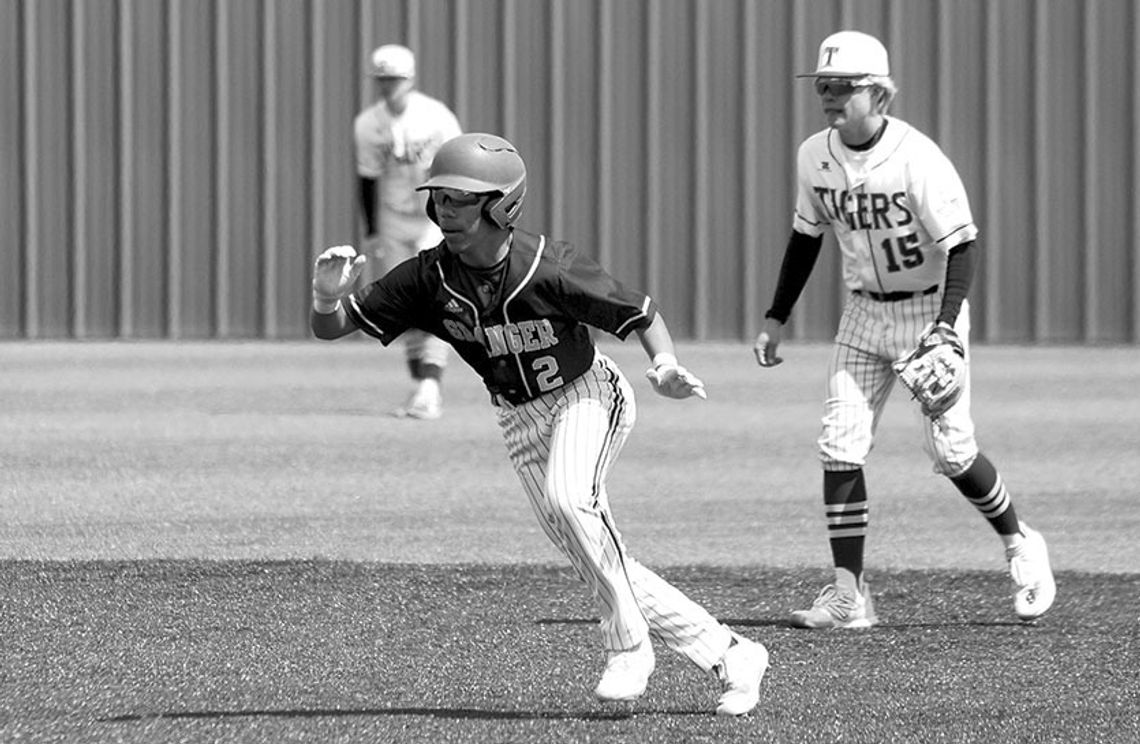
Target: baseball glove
935 370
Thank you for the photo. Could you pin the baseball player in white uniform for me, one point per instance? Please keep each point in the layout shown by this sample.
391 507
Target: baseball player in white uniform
908 242
517 307
396 139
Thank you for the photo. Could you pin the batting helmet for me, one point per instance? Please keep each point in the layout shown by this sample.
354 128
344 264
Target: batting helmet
480 164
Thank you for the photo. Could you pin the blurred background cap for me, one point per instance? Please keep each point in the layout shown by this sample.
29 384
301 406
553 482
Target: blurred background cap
392 60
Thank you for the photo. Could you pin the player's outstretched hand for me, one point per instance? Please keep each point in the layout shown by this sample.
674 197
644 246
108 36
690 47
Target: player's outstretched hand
335 273
767 343
674 381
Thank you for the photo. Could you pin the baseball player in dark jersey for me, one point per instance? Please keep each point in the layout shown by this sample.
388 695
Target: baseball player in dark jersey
515 306
902 220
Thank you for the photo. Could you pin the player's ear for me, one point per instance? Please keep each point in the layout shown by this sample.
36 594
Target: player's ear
884 95
880 98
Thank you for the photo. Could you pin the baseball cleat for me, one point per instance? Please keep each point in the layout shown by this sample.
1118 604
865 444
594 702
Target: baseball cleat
1034 586
421 405
740 673
836 607
626 674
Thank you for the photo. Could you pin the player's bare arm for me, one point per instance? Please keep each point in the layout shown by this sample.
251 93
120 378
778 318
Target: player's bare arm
334 275
666 375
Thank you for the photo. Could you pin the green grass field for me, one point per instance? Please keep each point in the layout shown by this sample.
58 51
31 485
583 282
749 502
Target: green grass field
232 543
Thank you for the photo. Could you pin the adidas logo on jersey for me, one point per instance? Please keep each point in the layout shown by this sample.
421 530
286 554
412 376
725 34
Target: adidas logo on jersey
453 307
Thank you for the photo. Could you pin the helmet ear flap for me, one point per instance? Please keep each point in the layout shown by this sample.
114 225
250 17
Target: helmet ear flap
504 210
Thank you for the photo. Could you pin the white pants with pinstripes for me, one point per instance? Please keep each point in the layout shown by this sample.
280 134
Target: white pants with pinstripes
562 445
871 336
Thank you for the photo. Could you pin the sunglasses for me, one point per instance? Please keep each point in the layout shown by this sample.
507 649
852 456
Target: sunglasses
455 197
838 88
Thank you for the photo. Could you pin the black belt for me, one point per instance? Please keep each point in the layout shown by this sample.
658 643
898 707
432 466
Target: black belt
895 296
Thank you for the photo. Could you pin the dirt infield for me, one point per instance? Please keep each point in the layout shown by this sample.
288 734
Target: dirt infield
252 652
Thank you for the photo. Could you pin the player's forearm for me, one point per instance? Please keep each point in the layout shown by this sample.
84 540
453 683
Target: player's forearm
657 341
799 260
330 325
960 267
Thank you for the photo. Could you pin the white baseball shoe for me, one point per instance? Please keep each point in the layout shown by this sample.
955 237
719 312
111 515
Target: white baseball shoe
626 674
425 404
740 673
1034 586
837 607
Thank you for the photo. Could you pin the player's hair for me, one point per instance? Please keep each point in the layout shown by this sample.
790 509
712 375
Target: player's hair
884 91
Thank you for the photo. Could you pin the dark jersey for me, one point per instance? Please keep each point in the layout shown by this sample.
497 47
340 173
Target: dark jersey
525 335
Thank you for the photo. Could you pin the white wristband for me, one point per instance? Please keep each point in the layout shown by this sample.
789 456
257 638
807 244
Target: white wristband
664 359
325 307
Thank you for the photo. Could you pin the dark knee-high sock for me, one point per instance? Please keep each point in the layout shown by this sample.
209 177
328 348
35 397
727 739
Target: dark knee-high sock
983 486
845 502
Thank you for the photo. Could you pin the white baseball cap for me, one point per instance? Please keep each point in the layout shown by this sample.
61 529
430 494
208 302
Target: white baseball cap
851 54
392 60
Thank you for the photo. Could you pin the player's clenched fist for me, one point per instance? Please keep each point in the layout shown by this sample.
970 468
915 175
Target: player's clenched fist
674 381
334 275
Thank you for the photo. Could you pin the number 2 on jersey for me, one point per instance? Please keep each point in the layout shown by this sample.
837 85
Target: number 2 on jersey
909 254
546 373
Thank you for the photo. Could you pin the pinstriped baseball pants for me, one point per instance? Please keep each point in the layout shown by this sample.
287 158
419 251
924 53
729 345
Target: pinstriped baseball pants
870 337
562 445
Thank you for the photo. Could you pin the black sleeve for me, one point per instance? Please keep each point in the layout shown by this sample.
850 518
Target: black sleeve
590 294
959 275
799 260
368 192
390 305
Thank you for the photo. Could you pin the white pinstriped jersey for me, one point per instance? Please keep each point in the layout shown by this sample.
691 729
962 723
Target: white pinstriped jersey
398 150
896 209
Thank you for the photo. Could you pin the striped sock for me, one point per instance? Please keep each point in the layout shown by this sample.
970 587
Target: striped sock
983 487
845 504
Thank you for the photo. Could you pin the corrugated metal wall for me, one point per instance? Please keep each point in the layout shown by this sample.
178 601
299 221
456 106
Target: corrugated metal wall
168 168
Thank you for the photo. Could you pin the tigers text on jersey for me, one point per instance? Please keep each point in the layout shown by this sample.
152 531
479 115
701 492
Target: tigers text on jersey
896 209
524 336
398 150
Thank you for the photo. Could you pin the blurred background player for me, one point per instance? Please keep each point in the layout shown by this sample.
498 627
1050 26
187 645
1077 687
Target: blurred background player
517 307
396 139
900 214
